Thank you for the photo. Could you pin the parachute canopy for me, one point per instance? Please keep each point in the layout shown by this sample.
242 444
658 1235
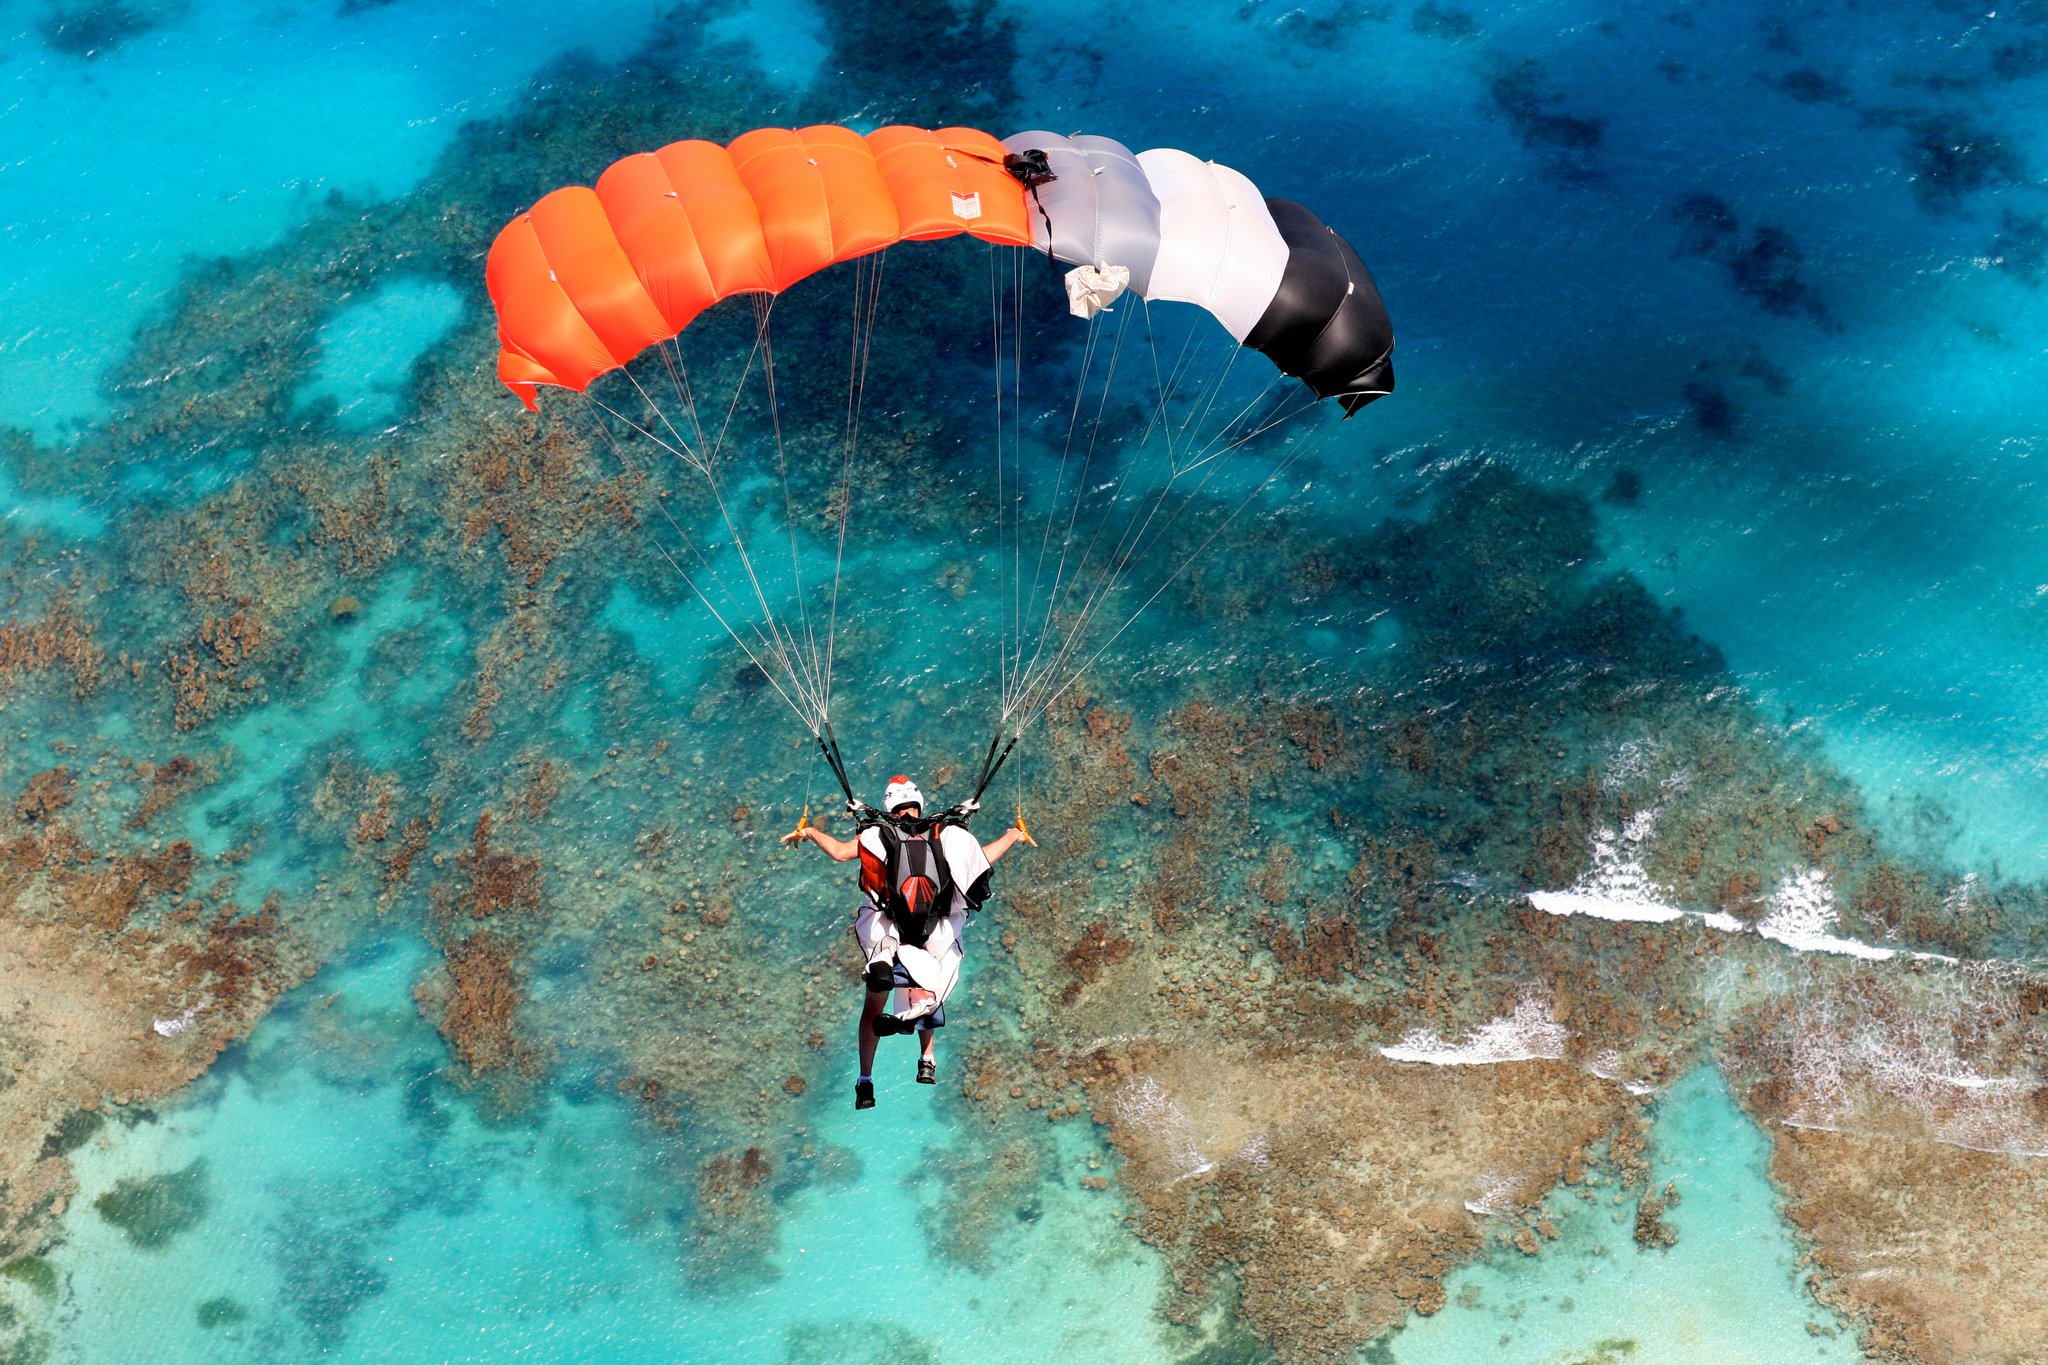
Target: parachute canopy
1088 531
588 278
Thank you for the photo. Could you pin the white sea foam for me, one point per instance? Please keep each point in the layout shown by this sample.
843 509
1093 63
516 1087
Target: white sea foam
1257 1154
1495 1196
1853 1069
1801 914
178 1023
1530 1033
1577 902
1629 761
1607 1066
1617 887
1802 917
1143 1103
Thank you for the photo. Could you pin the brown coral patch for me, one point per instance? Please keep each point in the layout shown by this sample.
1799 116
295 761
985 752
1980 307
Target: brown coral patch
59 642
1278 1167
498 882
88 1019
1096 949
1935 1287
48 792
107 897
163 783
985 1192
1323 950
735 1231
477 1012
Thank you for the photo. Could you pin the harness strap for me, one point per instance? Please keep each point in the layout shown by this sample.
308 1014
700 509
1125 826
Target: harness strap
988 769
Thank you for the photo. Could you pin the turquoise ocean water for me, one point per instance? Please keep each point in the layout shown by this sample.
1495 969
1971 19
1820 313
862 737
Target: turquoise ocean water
1766 289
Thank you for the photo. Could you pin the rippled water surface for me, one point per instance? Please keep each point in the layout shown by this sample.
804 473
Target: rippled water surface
1721 356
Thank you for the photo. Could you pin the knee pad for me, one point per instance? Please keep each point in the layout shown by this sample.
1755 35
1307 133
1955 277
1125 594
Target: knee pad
880 975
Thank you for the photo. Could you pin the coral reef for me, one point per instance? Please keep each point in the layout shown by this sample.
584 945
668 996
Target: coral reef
1332 969
1893 1243
119 982
1767 267
1277 1167
1523 94
93 28
476 1011
153 1210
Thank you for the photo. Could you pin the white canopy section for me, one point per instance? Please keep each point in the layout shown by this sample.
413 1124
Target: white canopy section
1218 246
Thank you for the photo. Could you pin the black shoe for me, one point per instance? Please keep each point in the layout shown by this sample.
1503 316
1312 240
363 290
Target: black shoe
927 1072
888 1026
863 1094
880 976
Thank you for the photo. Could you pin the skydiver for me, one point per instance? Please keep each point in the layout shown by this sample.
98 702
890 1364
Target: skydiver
919 880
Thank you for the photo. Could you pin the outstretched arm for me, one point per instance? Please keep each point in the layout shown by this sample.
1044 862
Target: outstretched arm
838 850
1012 836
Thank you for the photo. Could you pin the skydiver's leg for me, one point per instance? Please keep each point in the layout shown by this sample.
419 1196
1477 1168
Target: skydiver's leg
874 1005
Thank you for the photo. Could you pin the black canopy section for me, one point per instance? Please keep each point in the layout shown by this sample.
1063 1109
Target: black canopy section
1326 326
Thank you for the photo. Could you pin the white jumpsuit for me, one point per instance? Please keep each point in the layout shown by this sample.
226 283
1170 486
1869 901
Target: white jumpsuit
935 967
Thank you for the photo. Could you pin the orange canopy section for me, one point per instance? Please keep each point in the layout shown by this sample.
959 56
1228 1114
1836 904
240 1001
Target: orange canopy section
588 278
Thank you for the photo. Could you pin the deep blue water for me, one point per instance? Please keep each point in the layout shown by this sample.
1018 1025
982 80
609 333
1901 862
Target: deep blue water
1763 287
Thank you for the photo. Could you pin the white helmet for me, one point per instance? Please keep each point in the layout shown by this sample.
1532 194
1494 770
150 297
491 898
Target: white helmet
901 792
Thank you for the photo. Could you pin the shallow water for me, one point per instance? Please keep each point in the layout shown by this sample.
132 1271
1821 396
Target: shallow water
354 1201
1727 1290
1805 419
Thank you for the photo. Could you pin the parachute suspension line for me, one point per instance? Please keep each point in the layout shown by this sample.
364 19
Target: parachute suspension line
1023 605
1008 621
1197 415
1077 623
710 605
1173 378
867 298
764 308
1141 545
802 678
778 647
1198 408
1029 615
1161 415
1005 308
1135 539
1009 518
739 540
1032 672
679 380
1132 548
1286 462
1062 586
591 407
828 745
681 449
1214 447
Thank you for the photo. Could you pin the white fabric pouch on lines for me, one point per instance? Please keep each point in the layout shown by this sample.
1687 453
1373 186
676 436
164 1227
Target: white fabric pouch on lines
1092 288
